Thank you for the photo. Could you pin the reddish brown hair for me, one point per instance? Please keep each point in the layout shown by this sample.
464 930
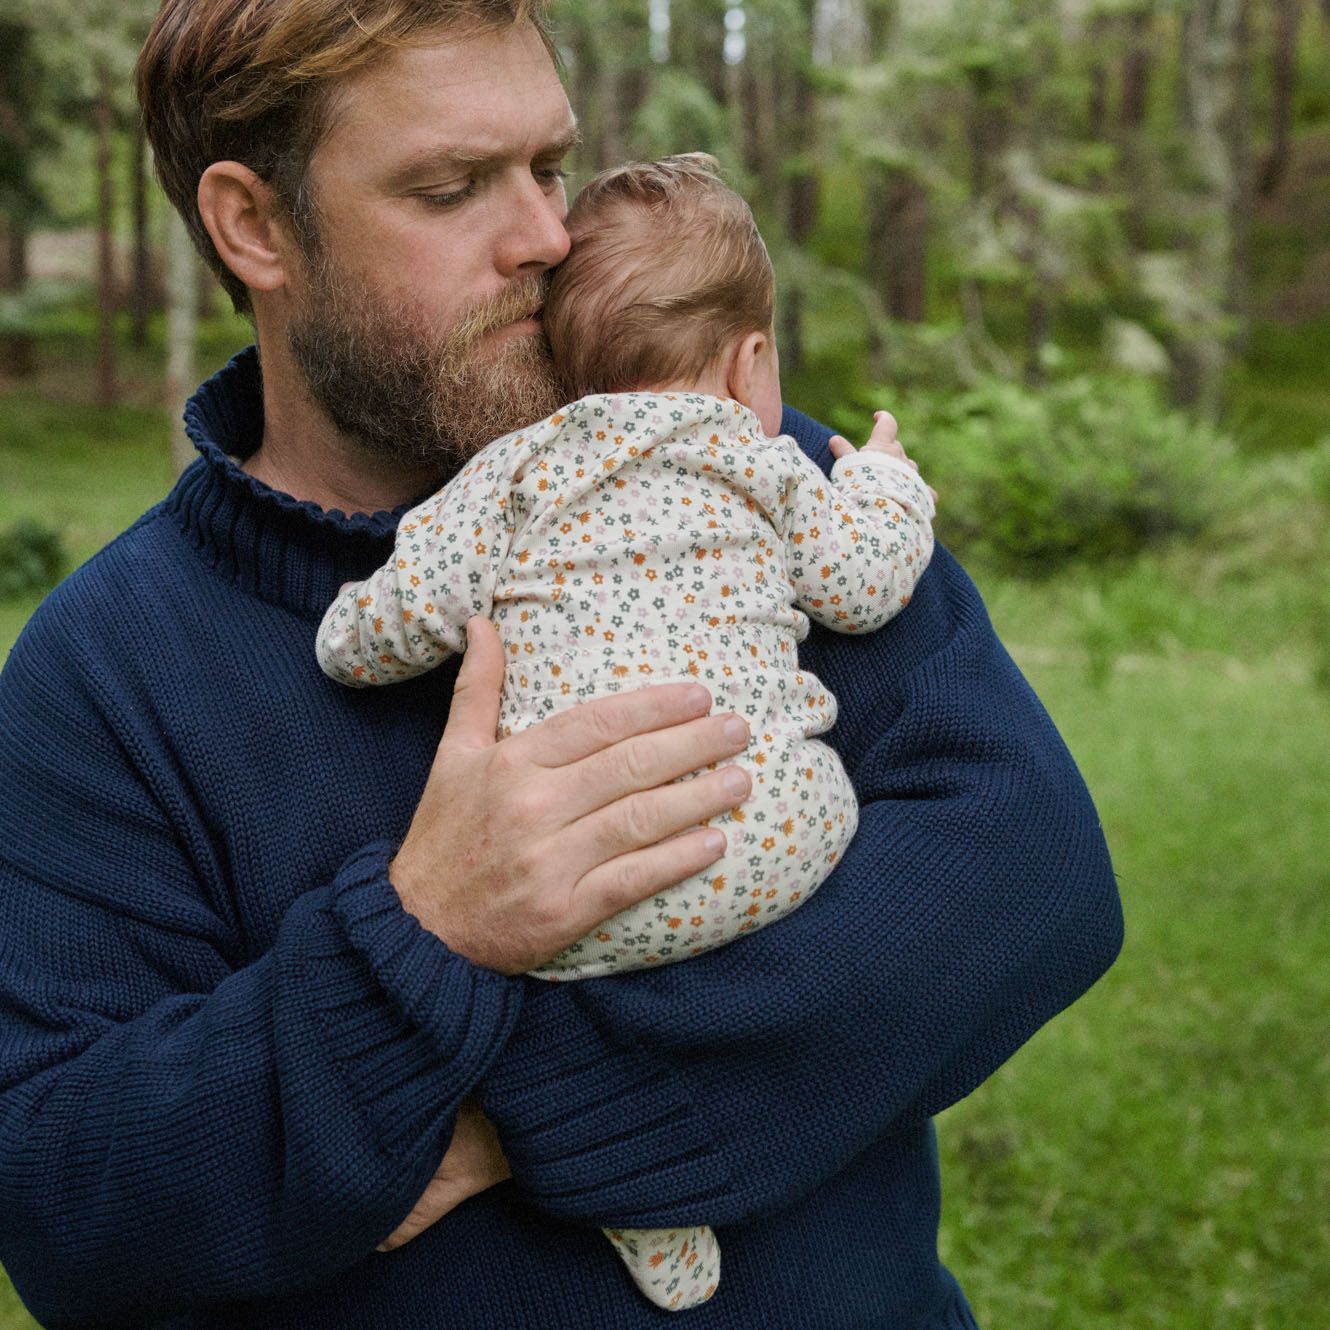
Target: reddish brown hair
667 267
253 81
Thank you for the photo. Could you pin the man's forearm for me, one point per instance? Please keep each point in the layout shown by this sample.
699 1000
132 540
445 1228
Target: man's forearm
976 901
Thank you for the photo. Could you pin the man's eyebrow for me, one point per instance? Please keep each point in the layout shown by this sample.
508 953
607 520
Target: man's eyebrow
445 159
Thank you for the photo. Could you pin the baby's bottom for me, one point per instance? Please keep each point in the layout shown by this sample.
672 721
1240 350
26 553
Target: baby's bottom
782 843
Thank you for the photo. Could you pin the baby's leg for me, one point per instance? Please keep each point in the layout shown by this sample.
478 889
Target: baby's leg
676 1268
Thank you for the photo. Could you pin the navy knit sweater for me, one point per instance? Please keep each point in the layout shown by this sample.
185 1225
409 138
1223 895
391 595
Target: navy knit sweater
230 1061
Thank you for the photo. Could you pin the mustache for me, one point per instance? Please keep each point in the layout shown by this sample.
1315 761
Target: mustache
523 299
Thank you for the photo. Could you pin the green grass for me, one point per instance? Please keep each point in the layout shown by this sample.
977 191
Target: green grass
1155 1157
12 1313
87 471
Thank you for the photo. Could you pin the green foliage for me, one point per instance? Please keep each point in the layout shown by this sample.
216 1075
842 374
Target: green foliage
32 558
33 308
1089 468
679 115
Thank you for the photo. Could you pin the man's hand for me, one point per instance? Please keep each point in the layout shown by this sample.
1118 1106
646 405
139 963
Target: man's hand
521 847
473 1161
881 440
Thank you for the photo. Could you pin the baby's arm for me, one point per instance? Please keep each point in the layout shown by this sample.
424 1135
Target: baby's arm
856 546
411 614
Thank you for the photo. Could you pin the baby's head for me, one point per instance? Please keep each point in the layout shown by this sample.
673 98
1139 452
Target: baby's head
667 287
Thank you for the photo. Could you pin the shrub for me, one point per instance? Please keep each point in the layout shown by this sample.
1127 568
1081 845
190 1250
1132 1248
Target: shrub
1086 468
32 558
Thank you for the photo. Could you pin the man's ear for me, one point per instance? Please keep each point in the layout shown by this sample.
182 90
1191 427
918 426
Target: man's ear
241 214
740 367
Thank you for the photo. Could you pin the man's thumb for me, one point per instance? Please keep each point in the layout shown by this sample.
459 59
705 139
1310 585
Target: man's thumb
473 720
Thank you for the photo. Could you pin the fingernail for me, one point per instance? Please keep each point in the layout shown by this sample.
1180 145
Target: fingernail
736 731
736 781
383 1246
714 842
699 700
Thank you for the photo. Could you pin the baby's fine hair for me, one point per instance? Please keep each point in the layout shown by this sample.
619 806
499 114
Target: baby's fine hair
666 268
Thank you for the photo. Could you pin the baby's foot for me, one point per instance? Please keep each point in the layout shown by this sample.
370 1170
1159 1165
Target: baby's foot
676 1268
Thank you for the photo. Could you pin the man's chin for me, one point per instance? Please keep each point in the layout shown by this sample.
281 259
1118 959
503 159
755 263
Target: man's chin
509 387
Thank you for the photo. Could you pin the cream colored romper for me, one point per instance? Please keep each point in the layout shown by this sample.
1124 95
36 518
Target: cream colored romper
642 538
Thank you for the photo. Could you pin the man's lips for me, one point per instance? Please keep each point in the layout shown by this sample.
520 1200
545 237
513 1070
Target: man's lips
522 327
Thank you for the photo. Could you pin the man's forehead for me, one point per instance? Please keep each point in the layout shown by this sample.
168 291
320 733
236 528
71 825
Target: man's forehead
483 92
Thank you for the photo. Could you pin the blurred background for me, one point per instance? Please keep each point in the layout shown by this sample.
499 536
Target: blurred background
1081 248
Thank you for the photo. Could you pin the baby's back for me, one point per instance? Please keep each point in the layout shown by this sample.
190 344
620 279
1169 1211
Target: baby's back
647 547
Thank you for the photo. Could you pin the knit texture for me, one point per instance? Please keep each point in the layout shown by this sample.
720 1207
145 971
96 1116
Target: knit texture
229 1060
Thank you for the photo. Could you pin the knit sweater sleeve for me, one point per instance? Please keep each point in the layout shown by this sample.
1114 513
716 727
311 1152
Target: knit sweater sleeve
976 901
182 1123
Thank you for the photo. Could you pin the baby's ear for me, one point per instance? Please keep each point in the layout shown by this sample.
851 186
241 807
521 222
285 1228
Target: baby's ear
740 369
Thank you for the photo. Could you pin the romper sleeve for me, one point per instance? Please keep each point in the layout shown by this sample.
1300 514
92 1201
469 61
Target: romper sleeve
856 544
410 614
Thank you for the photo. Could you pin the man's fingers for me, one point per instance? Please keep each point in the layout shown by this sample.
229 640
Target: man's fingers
441 1194
630 878
641 820
582 730
648 760
473 718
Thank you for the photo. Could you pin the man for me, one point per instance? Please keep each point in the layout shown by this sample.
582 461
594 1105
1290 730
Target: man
263 937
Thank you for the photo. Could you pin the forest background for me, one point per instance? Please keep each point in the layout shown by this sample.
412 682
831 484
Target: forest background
1081 248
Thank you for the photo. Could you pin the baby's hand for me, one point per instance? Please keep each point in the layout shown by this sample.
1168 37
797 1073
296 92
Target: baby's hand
881 440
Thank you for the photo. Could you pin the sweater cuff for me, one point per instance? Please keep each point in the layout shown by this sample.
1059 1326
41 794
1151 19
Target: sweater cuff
595 1129
432 1021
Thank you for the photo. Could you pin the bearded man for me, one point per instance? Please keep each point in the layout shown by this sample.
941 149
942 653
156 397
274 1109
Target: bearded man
266 1056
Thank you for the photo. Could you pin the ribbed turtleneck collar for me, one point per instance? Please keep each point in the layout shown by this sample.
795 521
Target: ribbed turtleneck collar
287 551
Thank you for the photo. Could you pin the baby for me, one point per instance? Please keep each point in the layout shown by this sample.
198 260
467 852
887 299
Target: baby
660 528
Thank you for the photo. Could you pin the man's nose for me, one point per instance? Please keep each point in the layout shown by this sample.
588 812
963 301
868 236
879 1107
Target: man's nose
534 238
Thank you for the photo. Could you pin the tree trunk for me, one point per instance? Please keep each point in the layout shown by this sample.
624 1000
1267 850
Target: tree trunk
16 271
759 81
883 18
17 349
181 332
1098 41
697 42
801 202
586 89
1237 300
841 32
18 352
987 126
140 292
1213 70
206 289
102 120
1136 68
896 262
634 58
1284 75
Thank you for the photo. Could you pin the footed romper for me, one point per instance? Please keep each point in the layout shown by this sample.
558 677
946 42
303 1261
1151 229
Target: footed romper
642 538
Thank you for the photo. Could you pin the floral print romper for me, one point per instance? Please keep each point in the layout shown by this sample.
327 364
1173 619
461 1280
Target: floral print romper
641 538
